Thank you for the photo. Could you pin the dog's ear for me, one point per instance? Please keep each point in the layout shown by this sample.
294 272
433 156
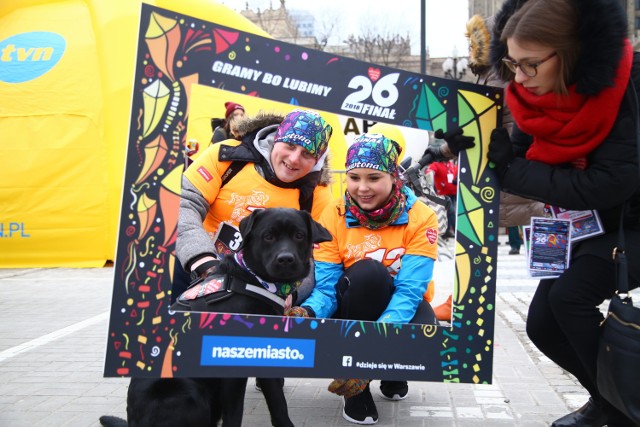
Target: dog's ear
317 232
246 225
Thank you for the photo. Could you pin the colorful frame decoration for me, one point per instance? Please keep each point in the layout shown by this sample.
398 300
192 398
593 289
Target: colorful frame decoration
145 339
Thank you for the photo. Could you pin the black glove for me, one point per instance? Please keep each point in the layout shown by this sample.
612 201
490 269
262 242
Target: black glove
500 150
455 140
436 153
205 269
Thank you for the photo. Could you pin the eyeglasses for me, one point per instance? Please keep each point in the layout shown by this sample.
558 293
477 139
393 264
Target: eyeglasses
528 68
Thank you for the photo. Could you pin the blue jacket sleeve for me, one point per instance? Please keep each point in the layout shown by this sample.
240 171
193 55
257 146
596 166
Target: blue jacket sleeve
411 283
323 299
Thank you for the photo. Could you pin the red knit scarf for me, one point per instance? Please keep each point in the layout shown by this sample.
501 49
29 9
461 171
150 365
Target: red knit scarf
565 128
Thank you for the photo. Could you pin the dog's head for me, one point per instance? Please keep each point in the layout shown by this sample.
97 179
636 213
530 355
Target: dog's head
277 243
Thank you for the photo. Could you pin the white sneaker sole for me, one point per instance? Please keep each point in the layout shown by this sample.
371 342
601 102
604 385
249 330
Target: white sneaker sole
366 421
395 397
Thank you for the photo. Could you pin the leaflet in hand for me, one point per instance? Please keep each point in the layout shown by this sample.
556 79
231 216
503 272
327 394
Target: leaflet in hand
549 247
584 224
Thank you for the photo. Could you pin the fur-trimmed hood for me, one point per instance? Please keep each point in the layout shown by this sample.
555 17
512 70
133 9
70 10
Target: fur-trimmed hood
602 29
479 35
251 124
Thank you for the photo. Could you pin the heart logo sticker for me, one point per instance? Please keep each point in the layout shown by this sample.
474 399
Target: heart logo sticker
374 74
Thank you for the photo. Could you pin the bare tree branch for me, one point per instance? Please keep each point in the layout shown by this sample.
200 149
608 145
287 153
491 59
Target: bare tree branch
388 49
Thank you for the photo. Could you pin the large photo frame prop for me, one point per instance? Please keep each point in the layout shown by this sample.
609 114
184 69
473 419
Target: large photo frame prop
346 128
145 339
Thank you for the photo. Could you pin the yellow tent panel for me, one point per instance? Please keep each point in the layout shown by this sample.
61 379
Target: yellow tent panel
66 70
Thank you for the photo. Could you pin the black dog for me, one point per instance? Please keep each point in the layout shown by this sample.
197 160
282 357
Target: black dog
276 246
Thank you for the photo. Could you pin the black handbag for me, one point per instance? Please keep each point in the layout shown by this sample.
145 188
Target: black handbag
619 349
618 375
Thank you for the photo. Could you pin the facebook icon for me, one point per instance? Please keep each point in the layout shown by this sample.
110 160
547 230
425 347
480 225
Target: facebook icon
347 361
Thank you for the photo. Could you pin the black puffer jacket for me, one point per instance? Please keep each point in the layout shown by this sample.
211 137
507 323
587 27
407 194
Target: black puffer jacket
612 175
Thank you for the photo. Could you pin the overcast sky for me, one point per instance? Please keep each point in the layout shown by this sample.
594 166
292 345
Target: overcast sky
445 19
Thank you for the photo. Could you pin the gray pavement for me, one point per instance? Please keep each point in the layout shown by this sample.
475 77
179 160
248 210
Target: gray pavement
53 326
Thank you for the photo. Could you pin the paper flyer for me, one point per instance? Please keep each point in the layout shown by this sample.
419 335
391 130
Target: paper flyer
549 246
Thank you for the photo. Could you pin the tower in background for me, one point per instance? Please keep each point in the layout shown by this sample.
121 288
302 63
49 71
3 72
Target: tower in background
484 8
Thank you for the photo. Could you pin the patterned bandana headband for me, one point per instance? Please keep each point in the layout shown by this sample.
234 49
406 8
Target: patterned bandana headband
306 129
373 151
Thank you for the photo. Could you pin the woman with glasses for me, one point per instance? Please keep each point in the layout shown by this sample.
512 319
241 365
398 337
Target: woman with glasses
573 146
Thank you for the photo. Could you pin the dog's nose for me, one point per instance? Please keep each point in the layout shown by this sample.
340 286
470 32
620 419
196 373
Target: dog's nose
285 258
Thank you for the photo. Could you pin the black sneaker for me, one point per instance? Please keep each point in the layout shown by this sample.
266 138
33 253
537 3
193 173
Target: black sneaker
360 409
394 390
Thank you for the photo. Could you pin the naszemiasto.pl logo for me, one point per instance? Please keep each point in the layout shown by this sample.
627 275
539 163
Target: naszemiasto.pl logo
27 56
257 351
375 95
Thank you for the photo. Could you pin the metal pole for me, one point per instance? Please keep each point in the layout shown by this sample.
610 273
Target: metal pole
423 32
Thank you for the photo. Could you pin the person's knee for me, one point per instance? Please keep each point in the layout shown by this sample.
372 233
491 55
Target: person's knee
537 326
558 298
364 291
369 274
425 314
577 288
542 326
534 332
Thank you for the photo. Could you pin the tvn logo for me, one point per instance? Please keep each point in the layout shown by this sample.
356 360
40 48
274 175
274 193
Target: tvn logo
254 351
27 56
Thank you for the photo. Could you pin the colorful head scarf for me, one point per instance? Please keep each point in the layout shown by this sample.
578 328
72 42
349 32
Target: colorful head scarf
373 151
306 129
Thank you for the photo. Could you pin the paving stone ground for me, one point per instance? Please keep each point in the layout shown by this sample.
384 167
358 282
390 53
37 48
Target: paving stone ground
53 328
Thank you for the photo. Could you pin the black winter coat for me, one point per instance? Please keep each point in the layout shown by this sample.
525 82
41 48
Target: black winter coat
611 178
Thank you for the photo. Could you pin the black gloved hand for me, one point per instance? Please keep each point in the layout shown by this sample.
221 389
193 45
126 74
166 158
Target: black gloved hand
500 150
205 269
455 140
436 153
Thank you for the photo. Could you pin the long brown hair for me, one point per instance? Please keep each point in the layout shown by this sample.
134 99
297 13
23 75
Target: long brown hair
551 23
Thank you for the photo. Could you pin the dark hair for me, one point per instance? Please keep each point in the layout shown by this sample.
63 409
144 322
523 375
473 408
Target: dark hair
551 23
227 127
